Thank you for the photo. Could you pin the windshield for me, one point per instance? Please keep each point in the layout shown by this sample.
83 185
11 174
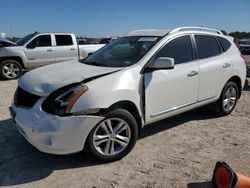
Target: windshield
122 52
25 39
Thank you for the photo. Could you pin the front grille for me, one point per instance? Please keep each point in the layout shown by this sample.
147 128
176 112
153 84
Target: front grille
25 99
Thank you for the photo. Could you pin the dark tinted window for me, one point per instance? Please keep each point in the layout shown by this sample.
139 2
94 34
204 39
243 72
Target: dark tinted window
207 46
64 40
180 49
40 41
224 43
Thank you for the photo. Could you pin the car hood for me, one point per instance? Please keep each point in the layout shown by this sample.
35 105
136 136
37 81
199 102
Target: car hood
44 80
6 43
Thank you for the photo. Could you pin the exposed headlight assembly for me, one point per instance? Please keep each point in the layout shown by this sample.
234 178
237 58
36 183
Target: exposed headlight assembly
62 100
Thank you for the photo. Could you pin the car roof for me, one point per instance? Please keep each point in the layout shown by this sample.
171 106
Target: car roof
163 32
63 33
149 32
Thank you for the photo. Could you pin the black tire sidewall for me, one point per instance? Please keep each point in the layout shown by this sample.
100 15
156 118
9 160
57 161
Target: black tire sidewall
229 84
117 113
4 62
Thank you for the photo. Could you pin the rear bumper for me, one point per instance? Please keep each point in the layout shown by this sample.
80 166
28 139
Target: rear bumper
53 134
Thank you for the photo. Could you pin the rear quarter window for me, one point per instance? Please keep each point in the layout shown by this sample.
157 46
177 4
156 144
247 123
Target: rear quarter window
225 44
207 46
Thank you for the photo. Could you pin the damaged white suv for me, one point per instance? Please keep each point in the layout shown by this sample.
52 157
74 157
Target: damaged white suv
101 103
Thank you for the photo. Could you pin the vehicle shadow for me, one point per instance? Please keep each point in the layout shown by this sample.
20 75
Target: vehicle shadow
196 114
21 163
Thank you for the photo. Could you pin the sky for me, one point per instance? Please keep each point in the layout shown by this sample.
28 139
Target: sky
100 18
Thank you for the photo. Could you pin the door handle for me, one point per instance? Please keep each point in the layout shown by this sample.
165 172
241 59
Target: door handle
49 50
226 65
72 49
192 73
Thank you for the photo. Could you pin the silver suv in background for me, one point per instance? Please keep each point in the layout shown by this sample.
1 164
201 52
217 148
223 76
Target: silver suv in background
103 102
40 49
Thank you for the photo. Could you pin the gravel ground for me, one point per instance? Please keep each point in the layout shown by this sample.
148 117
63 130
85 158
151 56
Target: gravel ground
177 152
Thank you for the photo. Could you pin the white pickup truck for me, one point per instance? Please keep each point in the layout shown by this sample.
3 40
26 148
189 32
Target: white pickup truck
40 49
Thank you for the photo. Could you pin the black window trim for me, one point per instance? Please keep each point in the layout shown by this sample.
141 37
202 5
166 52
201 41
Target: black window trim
196 48
38 35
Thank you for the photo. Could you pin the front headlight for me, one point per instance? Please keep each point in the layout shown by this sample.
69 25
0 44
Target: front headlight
61 101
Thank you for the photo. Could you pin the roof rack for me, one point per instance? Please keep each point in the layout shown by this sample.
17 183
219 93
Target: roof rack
178 29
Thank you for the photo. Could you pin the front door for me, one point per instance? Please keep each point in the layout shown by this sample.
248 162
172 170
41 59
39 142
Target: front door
168 91
39 51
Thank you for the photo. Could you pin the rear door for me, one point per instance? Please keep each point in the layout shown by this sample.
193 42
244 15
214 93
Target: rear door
215 66
168 91
65 48
39 51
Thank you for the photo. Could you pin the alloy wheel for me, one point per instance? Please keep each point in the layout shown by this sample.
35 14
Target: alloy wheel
229 99
10 70
112 136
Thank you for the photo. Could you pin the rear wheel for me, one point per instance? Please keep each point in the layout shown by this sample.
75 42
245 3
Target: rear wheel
228 99
10 69
113 138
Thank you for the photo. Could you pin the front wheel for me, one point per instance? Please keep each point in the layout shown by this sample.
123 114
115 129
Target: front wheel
113 138
228 99
10 69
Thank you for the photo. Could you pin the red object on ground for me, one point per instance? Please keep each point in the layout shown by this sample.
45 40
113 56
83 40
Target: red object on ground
225 177
222 178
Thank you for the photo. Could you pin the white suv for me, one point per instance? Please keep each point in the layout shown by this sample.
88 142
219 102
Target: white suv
102 103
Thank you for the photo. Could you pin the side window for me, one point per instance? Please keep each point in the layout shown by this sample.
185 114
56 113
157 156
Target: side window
64 40
40 41
207 46
180 49
224 43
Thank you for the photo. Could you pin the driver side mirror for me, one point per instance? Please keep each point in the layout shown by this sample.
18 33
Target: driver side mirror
162 63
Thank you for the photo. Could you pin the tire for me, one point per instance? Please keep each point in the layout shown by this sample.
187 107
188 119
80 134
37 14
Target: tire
100 150
10 69
224 106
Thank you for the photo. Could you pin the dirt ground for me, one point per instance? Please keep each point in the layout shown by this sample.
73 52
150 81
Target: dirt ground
177 152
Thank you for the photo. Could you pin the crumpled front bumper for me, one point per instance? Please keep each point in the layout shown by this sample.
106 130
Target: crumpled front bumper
53 134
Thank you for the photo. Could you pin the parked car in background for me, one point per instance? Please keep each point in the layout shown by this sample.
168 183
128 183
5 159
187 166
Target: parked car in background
40 49
86 41
105 40
6 43
236 42
244 47
102 102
